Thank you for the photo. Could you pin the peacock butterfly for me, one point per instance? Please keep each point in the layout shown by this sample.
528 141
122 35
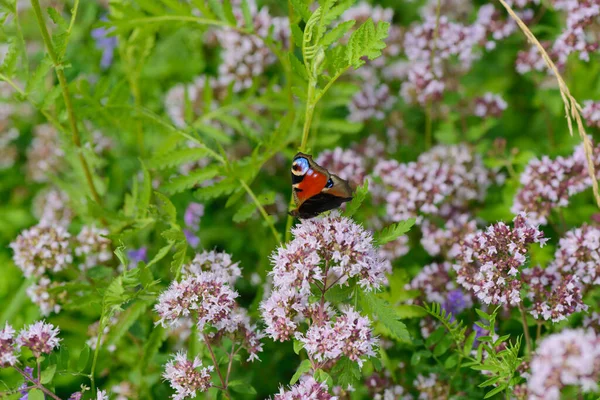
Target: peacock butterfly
315 189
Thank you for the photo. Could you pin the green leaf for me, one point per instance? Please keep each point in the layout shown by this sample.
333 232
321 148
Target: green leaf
84 356
298 345
10 59
297 67
184 182
179 256
145 193
57 19
303 368
297 35
495 391
35 394
386 314
339 294
228 12
410 311
443 346
301 8
217 8
483 315
469 343
366 41
243 387
152 345
358 197
48 374
392 232
176 157
244 212
248 20
336 33
166 207
346 372
126 320
435 336
322 376
162 253
222 188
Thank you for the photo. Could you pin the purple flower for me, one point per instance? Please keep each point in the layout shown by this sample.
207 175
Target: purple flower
185 378
40 338
568 358
591 113
193 213
105 43
456 301
193 240
307 388
219 263
135 256
7 346
23 388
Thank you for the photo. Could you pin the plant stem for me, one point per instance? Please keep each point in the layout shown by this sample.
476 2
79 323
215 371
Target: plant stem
525 328
261 209
96 352
216 364
62 80
36 384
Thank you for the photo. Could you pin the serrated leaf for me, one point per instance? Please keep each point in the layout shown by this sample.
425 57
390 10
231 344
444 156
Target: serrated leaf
176 157
244 212
152 345
410 311
166 207
179 256
367 41
126 319
57 18
303 368
298 68
162 253
322 376
392 232
297 35
358 198
347 372
217 8
469 343
338 294
386 314
495 391
10 59
336 33
301 8
184 182
222 188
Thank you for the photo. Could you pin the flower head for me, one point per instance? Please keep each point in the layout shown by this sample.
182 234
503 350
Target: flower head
183 376
92 246
347 164
591 113
307 388
490 261
568 358
578 253
45 156
41 249
193 213
8 354
489 105
205 295
40 338
219 263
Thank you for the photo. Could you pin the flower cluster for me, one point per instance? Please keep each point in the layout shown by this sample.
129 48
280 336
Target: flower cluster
547 184
591 113
39 294
52 207
347 164
183 376
7 346
39 337
450 176
489 105
326 251
446 240
568 358
350 335
205 296
92 246
219 263
574 39
41 249
554 296
370 103
436 285
578 253
306 388
490 261
45 157
430 387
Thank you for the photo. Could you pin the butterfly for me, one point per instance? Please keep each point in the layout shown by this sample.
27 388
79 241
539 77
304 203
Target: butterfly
315 190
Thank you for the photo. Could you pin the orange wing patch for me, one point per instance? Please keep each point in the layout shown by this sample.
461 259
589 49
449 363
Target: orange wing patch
312 184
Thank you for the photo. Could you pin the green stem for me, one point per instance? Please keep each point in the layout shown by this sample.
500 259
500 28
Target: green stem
96 352
216 364
525 328
261 209
62 80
